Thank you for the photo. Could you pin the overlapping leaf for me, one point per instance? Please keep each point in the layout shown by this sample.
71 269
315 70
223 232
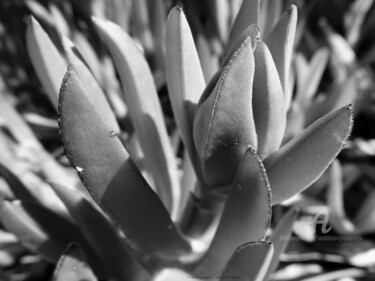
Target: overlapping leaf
111 176
301 161
224 124
144 109
245 218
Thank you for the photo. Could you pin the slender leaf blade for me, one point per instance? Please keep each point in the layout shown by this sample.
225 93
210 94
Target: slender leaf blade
280 238
246 16
145 111
28 232
46 59
280 43
184 75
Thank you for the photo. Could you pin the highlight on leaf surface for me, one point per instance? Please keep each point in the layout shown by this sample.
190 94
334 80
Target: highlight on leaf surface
184 75
145 111
300 162
46 59
280 43
268 102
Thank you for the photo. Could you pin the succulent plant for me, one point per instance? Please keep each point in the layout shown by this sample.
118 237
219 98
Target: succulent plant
134 217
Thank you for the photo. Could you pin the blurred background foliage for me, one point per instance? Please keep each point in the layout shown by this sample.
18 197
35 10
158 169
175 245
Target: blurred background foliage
333 64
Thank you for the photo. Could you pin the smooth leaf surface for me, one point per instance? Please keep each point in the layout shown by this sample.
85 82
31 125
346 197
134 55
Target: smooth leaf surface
112 178
280 238
145 111
46 59
18 188
246 16
246 215
28 232
224 124
90 85
250 262
61 231
96 228
72 266
335 200
309 87
300 162
280 43
268 102
184 75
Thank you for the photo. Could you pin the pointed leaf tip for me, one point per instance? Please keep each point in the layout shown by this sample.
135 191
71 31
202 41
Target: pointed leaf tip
300 162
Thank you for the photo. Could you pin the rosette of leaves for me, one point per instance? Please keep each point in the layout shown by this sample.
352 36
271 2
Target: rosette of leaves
212 222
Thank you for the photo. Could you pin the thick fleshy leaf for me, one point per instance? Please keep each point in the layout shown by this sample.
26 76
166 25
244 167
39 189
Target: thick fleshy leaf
249 202
270 12
246 16
141 25
280 43
354 19
28 232
209 61
111 176
72 266
340 47
184 75
96 228
268 105
280 238
46 59
335 200
90 85
250 262
145 111
300 162
60 230
308 87
224 124
18 188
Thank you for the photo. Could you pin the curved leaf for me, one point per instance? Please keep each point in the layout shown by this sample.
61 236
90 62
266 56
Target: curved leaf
246 215
96 228
224 124
145 111
280 43
72 266
250 262
46 59
111 176
248 14
27 231
184 75
300 162
91 86
280 238
269 108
